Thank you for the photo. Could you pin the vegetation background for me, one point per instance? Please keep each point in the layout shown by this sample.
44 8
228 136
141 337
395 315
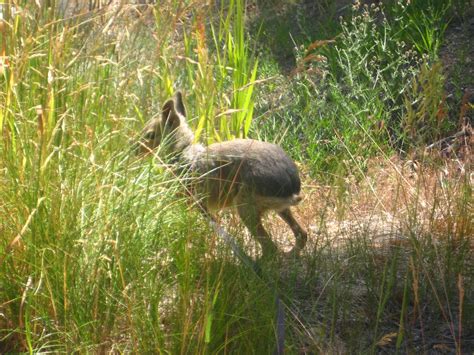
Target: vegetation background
101 252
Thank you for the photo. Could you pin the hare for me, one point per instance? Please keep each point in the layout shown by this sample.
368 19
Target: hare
252 175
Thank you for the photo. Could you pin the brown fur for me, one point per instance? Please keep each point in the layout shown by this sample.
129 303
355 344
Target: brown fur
252 175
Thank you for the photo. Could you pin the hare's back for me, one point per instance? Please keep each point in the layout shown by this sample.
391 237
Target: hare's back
261 166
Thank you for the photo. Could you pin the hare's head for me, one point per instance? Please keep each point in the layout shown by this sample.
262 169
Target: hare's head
170 128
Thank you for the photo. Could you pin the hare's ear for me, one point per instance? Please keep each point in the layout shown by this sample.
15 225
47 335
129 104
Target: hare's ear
170 116
178 99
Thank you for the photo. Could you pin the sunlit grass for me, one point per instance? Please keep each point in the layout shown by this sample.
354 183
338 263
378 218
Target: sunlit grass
102 251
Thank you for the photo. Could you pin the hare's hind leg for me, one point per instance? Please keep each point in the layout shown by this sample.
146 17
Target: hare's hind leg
300 234
252 218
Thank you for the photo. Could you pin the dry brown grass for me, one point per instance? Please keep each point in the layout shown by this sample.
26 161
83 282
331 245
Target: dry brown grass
385 205
402 214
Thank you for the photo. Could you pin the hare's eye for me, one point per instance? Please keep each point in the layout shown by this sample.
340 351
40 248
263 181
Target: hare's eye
150 135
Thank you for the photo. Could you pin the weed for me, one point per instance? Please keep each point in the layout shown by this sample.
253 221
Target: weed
425 117
422 24
347 94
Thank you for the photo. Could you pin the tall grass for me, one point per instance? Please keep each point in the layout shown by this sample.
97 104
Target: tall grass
98 250
224 73
423 23
101 251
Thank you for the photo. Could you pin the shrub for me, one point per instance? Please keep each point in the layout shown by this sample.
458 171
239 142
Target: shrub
346 98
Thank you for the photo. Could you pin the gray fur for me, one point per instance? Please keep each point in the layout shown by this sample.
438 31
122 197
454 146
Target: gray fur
263 166
255 176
